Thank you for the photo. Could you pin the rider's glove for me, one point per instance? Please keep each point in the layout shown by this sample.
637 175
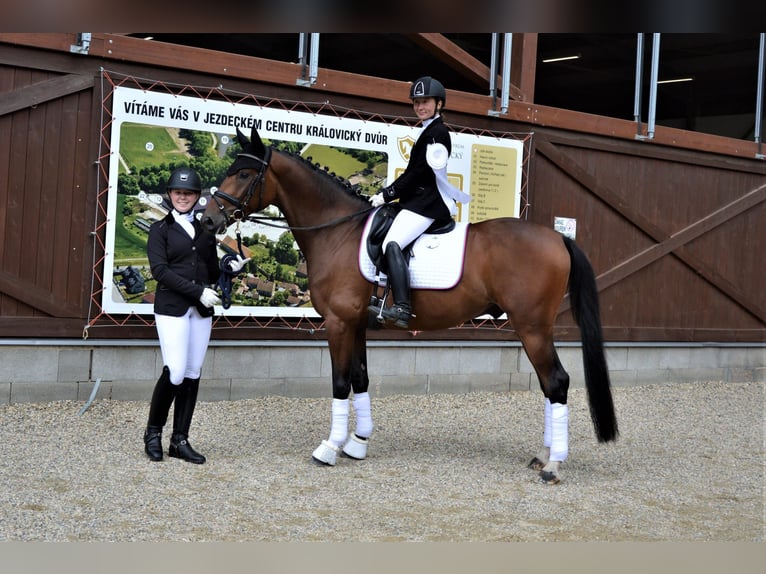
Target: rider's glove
209 298
377 199
236 264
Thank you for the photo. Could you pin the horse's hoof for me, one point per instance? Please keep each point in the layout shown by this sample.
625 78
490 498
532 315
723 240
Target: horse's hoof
547 477
536 464
325 454
356 448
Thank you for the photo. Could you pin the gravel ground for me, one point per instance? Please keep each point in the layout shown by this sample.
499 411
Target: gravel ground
688 466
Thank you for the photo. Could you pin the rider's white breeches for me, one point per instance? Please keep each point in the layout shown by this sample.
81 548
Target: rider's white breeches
184 341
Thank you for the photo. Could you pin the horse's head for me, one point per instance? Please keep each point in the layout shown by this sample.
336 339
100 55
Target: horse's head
242 191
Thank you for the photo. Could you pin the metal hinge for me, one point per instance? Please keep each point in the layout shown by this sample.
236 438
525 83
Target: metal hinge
83 43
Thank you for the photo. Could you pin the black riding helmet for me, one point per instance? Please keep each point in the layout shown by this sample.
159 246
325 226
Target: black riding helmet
184 178
428 87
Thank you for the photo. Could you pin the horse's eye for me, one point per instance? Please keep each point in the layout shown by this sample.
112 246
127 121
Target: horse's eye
243 174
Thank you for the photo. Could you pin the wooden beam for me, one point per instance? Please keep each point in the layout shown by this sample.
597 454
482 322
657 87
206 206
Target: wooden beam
666 243
42 92
524 65
222 65
458 59
36 298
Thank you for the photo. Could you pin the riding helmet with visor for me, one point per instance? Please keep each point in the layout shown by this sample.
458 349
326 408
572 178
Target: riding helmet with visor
184 178
428 87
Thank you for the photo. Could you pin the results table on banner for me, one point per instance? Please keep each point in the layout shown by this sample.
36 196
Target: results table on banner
493 182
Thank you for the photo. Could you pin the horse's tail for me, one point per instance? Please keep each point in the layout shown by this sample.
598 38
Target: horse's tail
585 308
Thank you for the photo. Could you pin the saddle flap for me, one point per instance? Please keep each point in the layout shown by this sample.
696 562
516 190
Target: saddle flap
437 259
379 226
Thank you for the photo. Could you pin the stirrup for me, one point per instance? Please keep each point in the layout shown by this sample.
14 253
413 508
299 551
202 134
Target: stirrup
399 314
375 308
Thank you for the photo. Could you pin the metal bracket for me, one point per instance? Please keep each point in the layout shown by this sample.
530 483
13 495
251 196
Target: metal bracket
83 43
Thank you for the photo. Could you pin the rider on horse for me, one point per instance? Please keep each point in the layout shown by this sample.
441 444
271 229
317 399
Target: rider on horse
423 197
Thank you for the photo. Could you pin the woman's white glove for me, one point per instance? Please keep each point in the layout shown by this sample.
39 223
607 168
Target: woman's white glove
237 264
209 298
377 199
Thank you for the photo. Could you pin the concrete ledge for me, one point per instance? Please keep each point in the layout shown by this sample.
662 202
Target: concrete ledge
127 370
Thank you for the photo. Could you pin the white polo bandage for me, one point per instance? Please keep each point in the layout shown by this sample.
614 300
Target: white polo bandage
559 432
339 428
547 428
363 415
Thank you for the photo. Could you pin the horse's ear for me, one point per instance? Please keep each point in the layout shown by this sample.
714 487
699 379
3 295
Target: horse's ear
242 139
257 145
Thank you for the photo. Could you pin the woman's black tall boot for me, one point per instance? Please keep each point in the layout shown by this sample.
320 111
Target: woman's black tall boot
399 277
162 398
186 400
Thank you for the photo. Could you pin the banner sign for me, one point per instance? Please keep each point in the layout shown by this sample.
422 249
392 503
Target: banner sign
153 133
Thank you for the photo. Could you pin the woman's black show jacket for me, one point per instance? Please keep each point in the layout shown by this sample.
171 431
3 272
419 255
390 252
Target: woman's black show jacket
182 266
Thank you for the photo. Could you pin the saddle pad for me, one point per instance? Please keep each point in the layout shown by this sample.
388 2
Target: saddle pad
436 263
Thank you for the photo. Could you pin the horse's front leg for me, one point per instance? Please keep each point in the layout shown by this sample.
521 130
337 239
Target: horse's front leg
356 446
341 339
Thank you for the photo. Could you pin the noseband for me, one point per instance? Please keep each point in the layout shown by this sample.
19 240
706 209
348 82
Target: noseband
241 206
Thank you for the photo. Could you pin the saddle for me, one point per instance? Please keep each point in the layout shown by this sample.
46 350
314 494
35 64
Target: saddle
381 223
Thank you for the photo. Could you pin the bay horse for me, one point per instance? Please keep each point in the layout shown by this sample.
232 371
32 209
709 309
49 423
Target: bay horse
513 266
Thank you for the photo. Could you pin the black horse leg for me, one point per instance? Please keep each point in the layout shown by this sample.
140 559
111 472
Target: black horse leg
342 343
356 446
554 382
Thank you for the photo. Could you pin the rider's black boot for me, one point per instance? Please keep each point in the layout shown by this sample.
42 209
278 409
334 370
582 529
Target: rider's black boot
186 400
399 278
162 398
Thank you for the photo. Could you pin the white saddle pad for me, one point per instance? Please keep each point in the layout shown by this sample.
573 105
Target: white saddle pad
436 263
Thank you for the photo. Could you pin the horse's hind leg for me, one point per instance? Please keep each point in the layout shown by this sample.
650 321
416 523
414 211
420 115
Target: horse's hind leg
554 382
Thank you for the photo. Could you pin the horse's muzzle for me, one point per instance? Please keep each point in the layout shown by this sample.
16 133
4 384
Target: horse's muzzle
214 223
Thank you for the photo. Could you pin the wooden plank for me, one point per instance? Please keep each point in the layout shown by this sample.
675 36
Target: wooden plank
43 327
439 46
666 243
41 92
221 64
677 240
79 254
524 65
35 297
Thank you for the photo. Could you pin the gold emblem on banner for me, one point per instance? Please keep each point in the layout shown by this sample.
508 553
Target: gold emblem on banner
404 145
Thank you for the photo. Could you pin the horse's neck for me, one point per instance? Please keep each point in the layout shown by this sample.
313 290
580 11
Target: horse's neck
306 201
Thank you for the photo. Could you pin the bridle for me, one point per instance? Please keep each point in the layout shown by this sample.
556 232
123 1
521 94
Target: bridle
241 209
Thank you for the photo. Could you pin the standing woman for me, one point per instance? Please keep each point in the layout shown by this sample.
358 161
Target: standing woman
184 261
423 192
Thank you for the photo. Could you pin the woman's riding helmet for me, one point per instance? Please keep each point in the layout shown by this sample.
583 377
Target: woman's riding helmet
428 87
184 178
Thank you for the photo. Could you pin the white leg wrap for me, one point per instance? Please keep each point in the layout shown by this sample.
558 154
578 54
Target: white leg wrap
363 415
339 429
559 432
547 431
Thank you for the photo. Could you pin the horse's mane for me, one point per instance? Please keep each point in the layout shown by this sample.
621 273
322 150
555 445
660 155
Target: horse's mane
328 180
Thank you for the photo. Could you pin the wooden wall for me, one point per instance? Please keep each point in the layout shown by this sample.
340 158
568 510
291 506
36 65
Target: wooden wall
674 228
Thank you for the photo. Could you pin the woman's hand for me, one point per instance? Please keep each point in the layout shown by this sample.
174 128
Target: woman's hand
209 298
377 199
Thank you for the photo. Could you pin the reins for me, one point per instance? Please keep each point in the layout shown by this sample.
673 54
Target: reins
227 275
240 206
263 220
